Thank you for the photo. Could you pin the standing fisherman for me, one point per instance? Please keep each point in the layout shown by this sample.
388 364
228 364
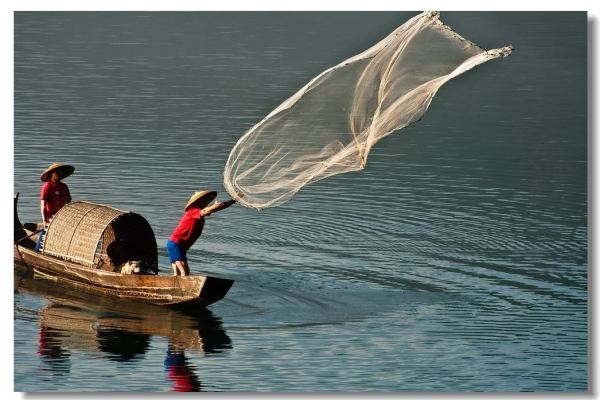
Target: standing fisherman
190 228
54 195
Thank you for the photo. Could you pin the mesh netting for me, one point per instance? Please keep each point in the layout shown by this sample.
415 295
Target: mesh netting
329 126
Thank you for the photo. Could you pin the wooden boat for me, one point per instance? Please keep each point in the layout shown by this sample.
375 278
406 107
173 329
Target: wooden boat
86 242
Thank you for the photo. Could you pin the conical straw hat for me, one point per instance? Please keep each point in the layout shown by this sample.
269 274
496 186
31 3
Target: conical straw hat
209 194
65 170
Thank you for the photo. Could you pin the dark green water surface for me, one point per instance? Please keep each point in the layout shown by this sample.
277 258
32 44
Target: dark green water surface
456 261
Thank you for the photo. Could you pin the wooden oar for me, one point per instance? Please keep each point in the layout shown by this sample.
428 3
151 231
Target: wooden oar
30 235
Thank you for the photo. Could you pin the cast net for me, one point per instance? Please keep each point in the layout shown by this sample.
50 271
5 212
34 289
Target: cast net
329 126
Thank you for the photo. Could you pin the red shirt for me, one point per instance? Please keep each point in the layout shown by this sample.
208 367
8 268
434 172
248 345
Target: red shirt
55 196
189 228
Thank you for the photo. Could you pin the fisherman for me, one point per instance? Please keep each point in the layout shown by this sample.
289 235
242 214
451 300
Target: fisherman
54 195
190 228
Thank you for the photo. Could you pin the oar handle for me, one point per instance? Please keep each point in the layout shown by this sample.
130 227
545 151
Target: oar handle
30 235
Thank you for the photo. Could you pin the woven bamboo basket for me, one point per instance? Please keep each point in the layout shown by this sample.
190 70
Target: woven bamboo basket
98 236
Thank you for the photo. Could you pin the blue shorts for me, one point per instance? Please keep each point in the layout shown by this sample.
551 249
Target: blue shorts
40 240
176 253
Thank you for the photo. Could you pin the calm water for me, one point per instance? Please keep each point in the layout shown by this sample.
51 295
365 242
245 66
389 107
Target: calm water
457 261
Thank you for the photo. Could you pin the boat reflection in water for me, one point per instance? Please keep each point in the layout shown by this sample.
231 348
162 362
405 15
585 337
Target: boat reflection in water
120 331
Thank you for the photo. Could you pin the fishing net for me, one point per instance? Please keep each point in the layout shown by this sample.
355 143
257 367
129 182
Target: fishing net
329 126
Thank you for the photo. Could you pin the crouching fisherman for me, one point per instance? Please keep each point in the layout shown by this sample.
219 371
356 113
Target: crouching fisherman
54 195
190 228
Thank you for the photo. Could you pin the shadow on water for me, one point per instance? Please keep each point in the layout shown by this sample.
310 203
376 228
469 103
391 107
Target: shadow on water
119 331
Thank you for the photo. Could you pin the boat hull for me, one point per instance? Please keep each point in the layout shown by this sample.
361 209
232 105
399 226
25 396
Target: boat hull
170 291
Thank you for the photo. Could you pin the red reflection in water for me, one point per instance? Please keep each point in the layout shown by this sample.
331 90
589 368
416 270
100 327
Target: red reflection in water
179 371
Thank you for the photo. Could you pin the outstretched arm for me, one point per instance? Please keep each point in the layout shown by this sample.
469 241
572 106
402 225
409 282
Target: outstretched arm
216 206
